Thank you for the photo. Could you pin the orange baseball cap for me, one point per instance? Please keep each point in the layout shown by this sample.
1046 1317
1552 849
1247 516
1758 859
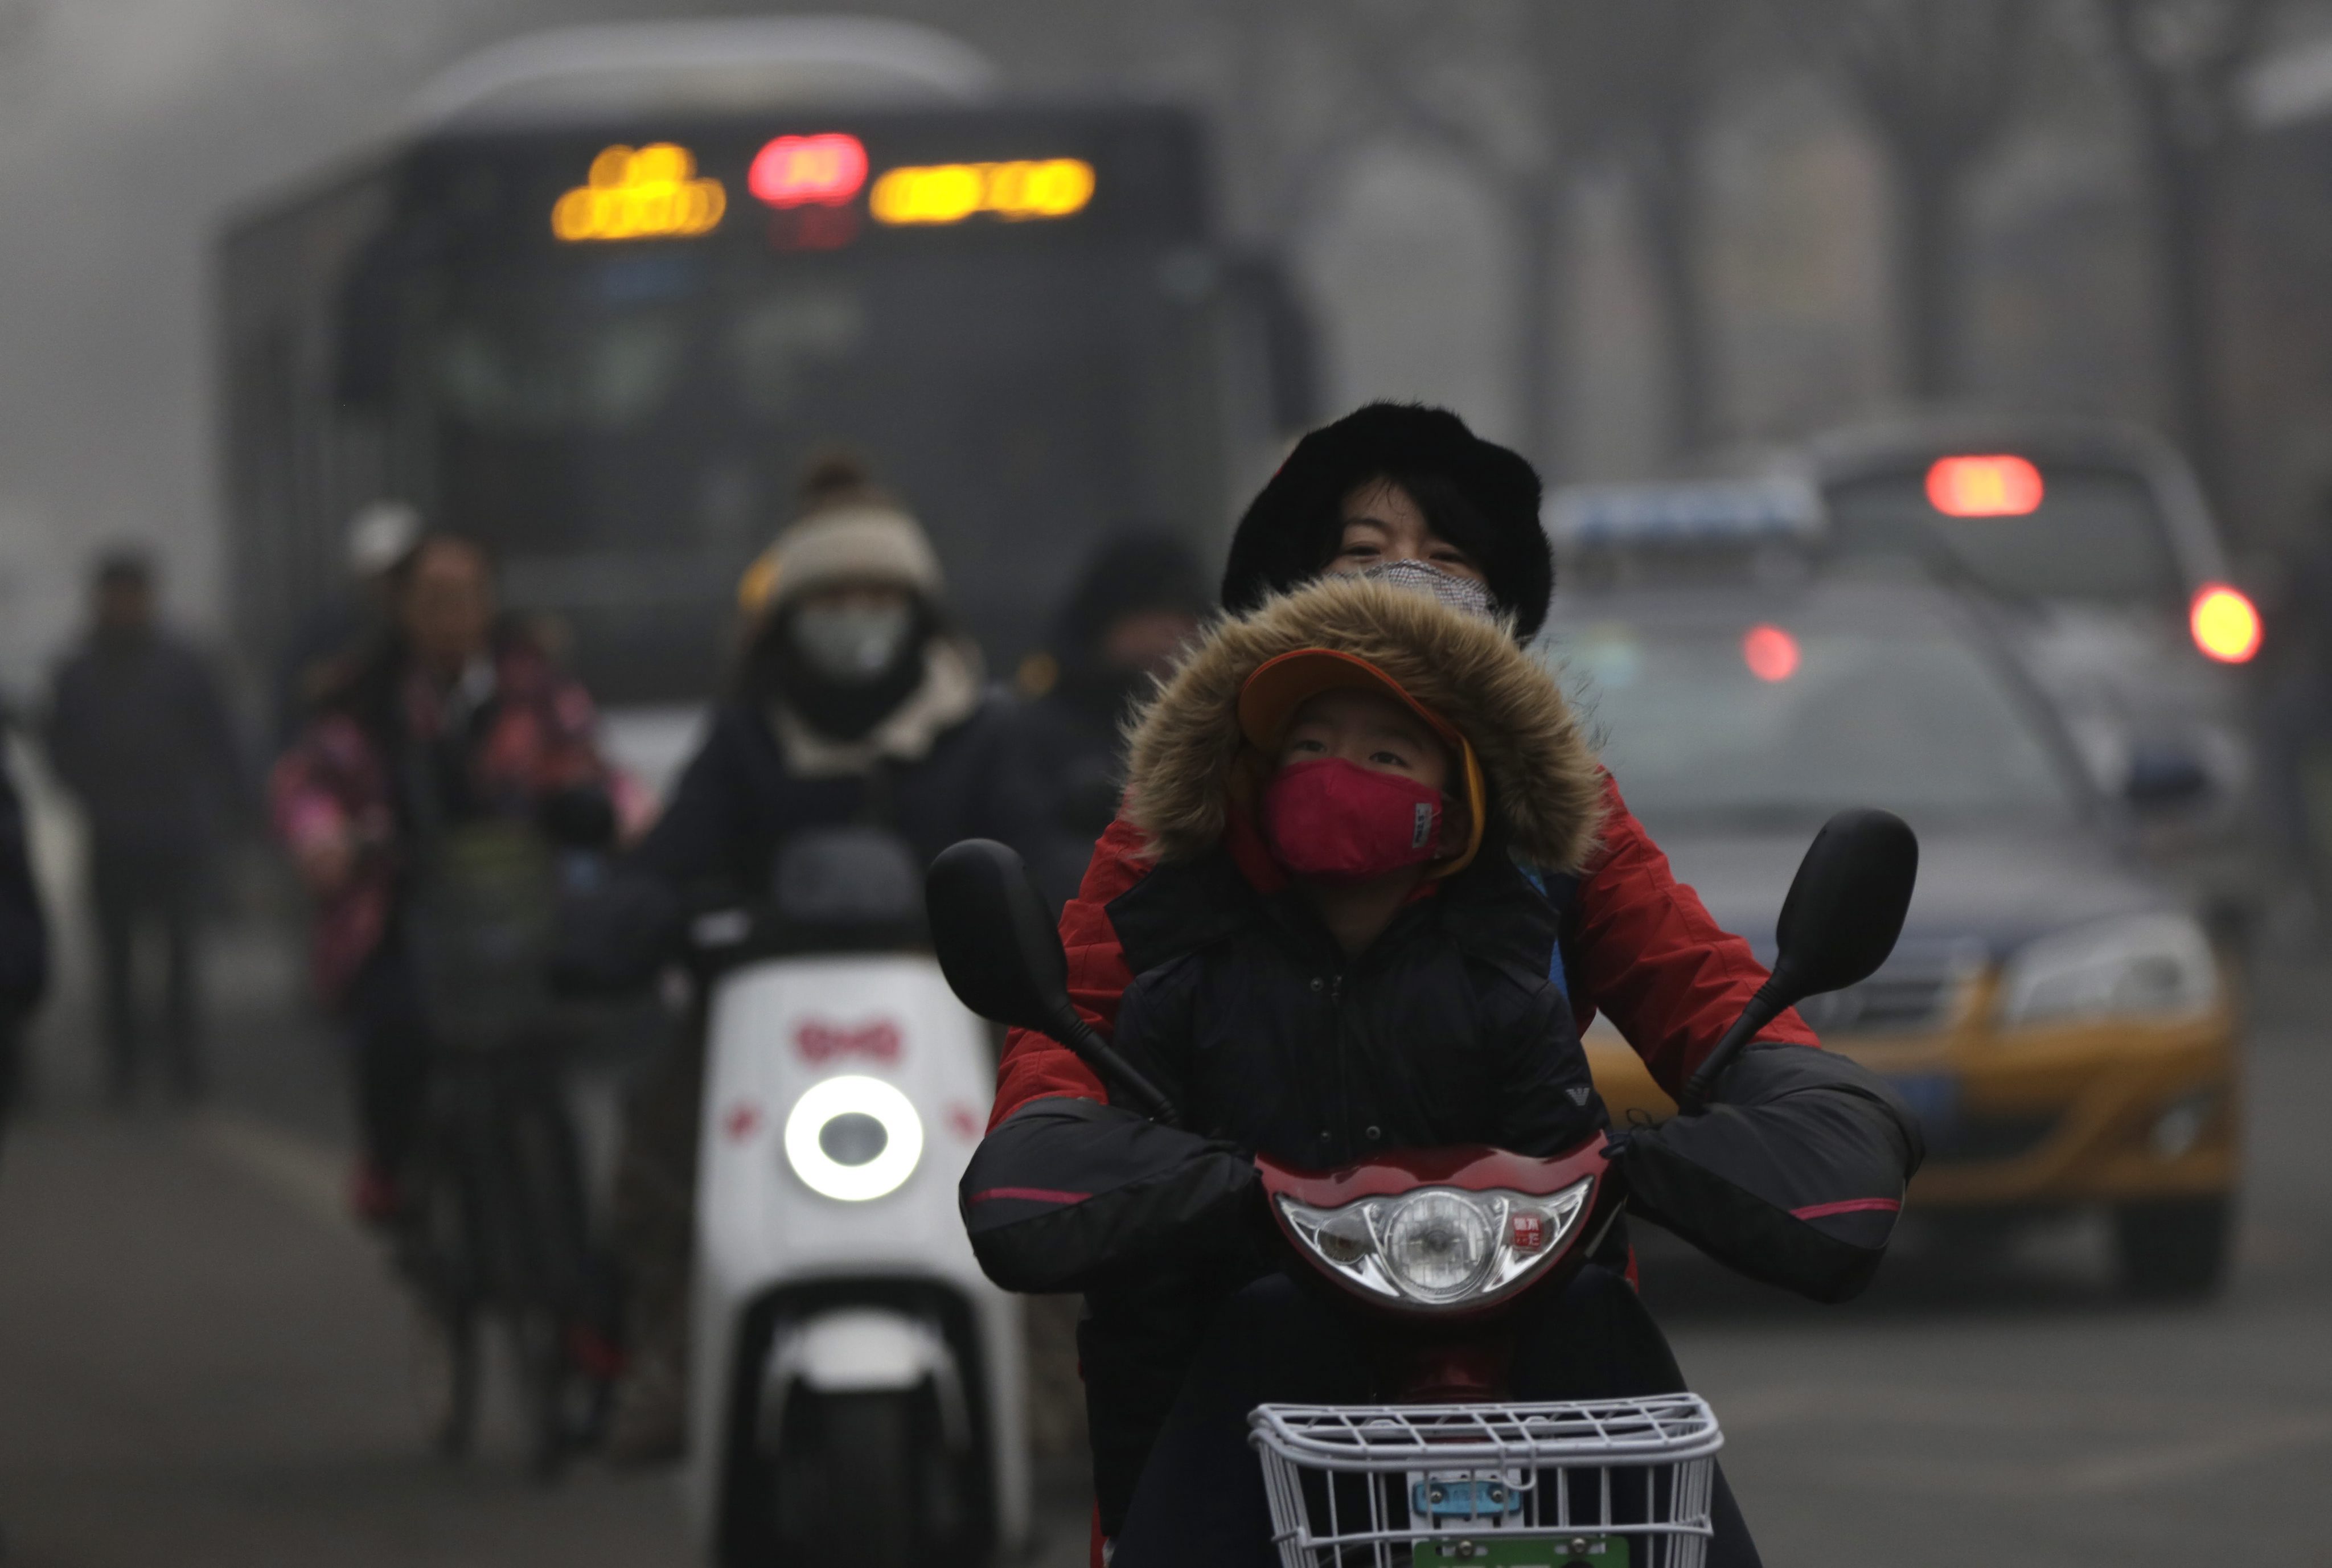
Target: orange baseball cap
1279 686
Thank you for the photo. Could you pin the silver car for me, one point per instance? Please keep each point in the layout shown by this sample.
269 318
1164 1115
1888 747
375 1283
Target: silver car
2055 1011
2094 552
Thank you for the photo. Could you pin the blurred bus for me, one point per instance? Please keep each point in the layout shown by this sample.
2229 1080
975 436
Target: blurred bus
616 284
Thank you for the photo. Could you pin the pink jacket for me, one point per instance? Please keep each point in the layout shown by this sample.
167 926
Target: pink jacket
338 780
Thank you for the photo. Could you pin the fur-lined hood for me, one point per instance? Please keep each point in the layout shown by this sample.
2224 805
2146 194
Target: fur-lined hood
1546 787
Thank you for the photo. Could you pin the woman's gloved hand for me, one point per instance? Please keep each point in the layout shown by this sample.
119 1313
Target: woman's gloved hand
1796 1177
616 937
1066 1189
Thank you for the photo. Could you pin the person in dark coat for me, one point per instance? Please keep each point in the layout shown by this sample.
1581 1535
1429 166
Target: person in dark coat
853 703
1352 799
1408 493
1137 605
1412 498
24 945
139 732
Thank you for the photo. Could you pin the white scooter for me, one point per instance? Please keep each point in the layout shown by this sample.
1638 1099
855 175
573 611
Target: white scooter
857 1389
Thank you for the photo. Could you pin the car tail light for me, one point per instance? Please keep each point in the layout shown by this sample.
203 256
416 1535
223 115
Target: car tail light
2225 624
1440 1247
1996 484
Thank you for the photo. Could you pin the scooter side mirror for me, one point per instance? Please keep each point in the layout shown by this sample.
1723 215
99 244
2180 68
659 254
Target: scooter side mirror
1846 905
1844 911
998 951
996 946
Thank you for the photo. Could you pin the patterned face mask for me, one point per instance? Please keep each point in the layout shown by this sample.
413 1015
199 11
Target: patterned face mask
1459 593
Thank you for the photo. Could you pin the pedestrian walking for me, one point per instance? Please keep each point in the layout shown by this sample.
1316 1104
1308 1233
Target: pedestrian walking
24 946
138 733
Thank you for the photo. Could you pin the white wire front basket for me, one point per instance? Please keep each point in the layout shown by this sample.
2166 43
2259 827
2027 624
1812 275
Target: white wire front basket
1595 1483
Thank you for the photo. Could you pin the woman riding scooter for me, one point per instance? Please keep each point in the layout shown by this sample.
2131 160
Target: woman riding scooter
1410 493
853 702
1407 495
1339 956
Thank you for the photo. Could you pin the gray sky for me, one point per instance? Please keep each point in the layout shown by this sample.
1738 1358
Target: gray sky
130 126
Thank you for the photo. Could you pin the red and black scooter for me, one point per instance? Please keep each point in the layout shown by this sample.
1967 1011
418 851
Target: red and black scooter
1434 1248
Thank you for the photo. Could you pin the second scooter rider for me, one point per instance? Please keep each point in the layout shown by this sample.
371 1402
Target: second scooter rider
853 701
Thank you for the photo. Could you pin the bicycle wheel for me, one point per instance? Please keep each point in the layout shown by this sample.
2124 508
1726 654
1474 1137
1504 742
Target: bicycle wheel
548 1303
439 1256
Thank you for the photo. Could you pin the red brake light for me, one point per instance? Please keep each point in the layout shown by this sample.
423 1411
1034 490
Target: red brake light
809 170
1771 653
2225 624
2000 485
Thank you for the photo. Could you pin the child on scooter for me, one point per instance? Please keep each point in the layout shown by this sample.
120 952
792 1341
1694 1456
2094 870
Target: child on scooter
1336 956
1339 954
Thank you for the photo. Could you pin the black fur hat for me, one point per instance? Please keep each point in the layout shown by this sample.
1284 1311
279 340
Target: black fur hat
1475 494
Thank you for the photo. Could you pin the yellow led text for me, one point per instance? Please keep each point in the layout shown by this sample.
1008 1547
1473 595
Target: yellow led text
651 194
949 192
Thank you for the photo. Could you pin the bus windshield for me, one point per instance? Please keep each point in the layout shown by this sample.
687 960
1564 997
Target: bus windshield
612 349
628 429
2094 533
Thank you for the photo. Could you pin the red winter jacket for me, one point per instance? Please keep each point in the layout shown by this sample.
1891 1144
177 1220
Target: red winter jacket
1641 945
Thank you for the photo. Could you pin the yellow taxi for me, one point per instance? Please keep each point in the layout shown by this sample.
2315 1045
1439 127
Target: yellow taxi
2054 1013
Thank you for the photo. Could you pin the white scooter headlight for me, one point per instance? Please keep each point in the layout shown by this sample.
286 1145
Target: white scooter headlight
854 1138
1440 1246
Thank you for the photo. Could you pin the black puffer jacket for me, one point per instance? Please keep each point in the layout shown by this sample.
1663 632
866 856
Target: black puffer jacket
739 801
1445 1031
737 805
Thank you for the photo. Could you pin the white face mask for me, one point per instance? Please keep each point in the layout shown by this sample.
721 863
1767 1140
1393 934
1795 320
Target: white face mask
1459 593
852 642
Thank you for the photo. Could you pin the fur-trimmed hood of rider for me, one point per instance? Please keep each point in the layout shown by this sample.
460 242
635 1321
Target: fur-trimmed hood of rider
1188 758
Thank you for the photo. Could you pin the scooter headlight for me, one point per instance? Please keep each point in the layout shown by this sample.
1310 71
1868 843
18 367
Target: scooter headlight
854 1138
1438 1244
1440 1247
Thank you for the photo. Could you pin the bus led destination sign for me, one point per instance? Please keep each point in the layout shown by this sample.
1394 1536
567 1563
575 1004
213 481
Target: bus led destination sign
809 170
653 192
949 192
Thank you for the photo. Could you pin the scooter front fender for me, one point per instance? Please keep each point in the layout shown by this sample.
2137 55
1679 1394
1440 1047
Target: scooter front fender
860 1350
865 1350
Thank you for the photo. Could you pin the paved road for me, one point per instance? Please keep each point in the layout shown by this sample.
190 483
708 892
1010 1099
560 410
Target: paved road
2025 1415
203 1359
201 1363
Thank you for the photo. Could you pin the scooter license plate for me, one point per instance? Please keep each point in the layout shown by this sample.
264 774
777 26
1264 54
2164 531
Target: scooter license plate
1546 1552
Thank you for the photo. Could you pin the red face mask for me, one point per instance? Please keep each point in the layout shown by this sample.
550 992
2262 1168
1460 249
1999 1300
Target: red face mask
1337 821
